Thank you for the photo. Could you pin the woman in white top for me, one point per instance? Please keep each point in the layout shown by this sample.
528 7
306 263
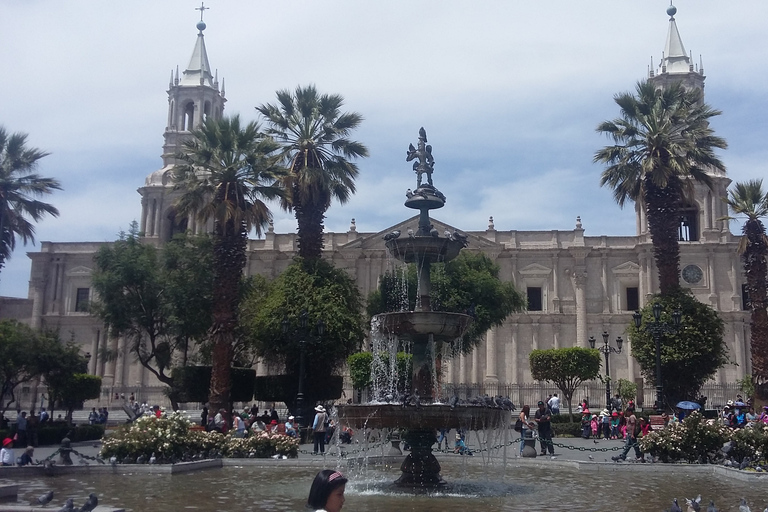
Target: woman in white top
6 453
527 425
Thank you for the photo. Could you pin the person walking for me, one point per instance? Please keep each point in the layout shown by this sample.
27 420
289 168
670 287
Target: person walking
318 430
630 440
543 419
554 404
21 428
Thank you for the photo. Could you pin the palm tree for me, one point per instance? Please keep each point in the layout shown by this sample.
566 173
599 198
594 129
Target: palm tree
226 172
661 140
750 200
19 190
313 134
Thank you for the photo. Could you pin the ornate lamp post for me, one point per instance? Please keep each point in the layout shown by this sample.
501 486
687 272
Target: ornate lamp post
304 336
657 328
606 349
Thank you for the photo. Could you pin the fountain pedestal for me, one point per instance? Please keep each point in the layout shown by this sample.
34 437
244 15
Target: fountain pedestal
420 468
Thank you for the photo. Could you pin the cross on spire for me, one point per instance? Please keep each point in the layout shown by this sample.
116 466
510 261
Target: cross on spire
202 9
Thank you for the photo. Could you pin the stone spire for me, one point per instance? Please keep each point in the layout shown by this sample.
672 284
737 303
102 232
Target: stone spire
198 70
676 65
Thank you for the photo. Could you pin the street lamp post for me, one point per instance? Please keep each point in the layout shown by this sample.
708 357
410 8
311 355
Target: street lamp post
304 336
606 349
657 328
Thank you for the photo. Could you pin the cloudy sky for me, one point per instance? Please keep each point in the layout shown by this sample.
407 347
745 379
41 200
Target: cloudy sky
510 93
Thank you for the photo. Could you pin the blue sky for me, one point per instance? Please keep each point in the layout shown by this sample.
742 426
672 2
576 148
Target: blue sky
509 93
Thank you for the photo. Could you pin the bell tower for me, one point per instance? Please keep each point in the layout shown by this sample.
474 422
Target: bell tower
699 220
193 97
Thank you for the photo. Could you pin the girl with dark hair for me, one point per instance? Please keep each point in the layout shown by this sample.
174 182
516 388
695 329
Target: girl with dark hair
327 492
527 425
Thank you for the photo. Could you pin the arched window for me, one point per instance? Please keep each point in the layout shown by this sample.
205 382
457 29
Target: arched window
688 228
187 120
171 115
206 110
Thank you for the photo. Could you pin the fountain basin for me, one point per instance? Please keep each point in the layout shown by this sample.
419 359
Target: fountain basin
419 248
418 325
431 416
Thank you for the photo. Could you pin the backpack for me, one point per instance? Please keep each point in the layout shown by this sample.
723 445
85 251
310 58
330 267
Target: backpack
519 425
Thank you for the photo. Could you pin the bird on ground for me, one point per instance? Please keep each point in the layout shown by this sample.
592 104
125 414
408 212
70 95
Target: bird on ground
675 506
69 506
694 504
91 503
744 462
113 460
43 499
141 459
743 507
153 459
394 235
711 506
594 441
591 457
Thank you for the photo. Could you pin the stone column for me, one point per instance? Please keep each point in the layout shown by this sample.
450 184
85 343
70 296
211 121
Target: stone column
476 365
93 364
109 369
491 374
462 369
38 296
143 227
120 367
514 350
579 283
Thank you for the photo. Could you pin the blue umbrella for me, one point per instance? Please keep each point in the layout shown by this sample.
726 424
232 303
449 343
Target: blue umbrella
691 406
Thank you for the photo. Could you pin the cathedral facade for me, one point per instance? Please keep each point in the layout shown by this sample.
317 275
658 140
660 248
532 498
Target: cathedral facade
577 286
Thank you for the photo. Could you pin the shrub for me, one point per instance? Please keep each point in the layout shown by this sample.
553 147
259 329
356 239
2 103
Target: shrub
695 440
170 439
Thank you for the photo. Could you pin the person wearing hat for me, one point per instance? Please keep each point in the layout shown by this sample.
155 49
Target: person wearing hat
605 424
586 423
460 446
6 452
318 430
614 425
543 419
289 428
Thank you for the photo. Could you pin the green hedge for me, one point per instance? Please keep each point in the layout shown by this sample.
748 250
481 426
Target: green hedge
53 434
566 429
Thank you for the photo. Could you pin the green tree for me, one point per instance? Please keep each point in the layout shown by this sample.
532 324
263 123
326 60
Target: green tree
749 199
226 172
468 284
324 292
19 348
689 357
160 300
313 134
662 144
20 188
65 371
566 368
627 390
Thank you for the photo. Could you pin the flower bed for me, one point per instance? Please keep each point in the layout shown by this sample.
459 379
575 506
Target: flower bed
699 441
171 438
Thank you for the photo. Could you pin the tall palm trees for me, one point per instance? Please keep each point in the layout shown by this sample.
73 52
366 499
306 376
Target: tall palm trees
312 132
750 200
19 190
661 139
226 171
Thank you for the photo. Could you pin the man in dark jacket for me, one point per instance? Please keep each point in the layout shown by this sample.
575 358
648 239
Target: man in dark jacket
543 419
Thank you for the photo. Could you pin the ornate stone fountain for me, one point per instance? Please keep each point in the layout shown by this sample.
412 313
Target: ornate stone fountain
417 413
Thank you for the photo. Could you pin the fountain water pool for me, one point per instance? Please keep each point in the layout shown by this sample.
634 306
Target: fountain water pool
253 486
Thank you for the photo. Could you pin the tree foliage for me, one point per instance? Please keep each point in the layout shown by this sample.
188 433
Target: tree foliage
20 190
662 139
160 300
324 292
750 200
566 368
689 357
20 351
468 284
627 390
313 134
360 367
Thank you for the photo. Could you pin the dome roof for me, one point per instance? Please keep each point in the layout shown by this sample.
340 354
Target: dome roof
159 178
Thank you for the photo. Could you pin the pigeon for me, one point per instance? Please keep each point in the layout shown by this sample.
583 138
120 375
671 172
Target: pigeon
675 506
594 441
694 505
43 499
141 459
69 506
448 234
389 397
410 233
743 507
113 460
453 401
711 507
434 233
460 238
508 405
90 503
423 134
393 235
591 457
153 459
744 463
408 194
